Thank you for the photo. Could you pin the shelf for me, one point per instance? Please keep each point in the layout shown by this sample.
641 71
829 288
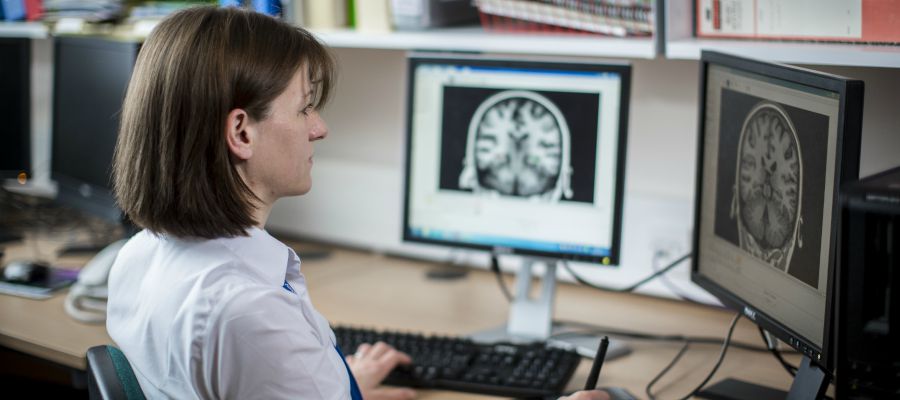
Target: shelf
475 39
33 30
792 53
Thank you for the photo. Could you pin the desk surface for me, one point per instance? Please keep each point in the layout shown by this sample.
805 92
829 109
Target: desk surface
364 289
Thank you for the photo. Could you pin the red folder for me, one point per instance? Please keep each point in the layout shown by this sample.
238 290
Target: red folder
34 10
871 21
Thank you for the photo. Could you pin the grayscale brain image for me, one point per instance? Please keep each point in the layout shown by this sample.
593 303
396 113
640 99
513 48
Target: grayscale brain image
519 143
771 182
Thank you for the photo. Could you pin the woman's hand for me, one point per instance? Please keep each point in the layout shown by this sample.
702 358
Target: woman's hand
371 364
587 395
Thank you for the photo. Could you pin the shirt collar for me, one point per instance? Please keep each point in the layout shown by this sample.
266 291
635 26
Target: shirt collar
265 255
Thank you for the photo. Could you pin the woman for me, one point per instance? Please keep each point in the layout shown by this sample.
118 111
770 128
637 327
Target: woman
218 123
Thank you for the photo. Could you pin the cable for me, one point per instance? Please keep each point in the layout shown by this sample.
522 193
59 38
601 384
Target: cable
599 331
669 284
725 344
631 287
777 353
495 267
648 389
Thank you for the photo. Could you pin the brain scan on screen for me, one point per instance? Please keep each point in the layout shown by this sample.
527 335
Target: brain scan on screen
768 182
518 145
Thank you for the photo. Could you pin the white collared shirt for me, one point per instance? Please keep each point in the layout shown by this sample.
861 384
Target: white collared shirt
210 319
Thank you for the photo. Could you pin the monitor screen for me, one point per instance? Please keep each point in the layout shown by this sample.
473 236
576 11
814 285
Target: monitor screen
90 79
775 143
517 156
15 102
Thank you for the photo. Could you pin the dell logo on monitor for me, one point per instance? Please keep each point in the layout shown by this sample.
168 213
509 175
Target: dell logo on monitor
750 313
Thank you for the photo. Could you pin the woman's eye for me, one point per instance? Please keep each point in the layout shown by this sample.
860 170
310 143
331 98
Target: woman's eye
307 109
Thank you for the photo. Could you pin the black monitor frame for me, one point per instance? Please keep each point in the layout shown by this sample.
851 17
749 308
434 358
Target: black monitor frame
846 170
624 71
16 134
90 197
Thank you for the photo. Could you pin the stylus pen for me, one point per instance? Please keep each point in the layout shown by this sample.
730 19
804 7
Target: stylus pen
591 383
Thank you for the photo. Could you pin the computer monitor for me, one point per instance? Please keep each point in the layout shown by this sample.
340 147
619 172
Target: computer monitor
517 156
15 106
91 76
775 144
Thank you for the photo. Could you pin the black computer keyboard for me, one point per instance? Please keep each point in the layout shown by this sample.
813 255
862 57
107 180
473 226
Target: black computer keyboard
448 363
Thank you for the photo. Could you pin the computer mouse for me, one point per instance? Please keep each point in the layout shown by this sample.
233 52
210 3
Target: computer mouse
26 271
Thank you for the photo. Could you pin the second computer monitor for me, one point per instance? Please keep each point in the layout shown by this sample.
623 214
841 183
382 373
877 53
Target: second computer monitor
776 142
91 77
517 156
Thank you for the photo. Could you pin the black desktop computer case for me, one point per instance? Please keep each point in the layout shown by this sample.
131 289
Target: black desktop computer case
868 329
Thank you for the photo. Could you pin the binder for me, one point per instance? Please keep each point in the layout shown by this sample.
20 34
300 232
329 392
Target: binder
34 10
325 14
372 15
866 21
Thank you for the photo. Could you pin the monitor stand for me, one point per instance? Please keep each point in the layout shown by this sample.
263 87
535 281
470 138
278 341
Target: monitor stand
531 319
809 384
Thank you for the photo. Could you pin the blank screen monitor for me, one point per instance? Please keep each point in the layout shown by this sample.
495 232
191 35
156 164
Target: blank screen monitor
15 101
516 156
90 79
775 144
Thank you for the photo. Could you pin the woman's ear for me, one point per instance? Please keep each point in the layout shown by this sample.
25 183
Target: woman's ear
239 134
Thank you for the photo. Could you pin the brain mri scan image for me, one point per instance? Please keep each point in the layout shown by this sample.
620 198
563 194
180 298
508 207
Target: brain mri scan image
768 186
518 145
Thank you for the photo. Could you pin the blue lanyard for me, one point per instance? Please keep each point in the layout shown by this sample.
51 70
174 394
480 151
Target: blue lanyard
355 394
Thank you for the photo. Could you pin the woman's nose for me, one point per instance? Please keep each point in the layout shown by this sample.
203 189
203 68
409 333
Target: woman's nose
319 130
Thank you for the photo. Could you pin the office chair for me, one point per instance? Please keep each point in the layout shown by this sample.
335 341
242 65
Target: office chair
110 375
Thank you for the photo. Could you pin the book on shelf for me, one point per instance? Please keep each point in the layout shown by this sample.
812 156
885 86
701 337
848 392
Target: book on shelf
294 12
607 17
325 14
12 10
864 21
34 10
268 7
372 16
86 10
424 14
148 10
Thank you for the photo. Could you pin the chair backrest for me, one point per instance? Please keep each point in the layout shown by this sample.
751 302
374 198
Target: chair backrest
110 375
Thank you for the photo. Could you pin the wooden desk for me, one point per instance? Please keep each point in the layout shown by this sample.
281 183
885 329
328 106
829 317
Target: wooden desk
364 289
41 327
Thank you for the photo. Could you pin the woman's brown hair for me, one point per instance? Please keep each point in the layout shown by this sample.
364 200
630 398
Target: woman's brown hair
172 169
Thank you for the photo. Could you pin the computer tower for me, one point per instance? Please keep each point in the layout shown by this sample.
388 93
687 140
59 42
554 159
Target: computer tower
868 348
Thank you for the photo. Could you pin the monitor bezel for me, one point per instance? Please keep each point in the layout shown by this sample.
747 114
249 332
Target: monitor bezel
623 69
846 169
24 98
